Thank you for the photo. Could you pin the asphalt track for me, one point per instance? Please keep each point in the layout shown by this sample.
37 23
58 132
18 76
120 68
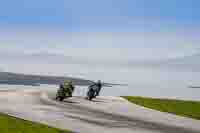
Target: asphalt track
103 115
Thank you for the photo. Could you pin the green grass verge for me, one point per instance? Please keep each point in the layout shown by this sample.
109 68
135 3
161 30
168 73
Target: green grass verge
179 107
10 124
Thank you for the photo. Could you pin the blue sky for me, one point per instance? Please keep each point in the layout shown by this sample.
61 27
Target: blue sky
171 28
51 37
100 15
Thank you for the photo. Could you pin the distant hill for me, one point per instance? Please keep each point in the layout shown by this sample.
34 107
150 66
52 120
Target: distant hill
34 80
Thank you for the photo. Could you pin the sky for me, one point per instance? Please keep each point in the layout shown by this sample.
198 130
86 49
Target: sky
148 44
130 29
104 15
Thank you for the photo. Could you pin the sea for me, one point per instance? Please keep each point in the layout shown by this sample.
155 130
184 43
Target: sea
135 81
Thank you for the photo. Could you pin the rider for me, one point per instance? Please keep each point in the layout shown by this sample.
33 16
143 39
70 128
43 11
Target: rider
66 89
99 86
60 92
96 87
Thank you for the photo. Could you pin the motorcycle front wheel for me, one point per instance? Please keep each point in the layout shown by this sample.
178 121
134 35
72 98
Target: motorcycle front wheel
60 98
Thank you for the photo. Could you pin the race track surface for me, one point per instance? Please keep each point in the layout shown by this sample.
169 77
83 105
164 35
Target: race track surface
103 115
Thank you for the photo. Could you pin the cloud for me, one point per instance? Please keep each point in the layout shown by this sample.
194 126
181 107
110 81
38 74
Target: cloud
131 45
54 51
52 58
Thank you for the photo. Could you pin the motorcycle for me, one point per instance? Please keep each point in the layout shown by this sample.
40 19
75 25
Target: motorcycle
91 94
62 93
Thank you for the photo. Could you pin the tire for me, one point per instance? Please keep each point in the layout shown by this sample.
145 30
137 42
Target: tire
60 99
90 98
91 95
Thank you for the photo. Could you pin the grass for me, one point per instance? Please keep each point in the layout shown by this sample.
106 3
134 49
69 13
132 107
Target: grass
10 124
179 107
